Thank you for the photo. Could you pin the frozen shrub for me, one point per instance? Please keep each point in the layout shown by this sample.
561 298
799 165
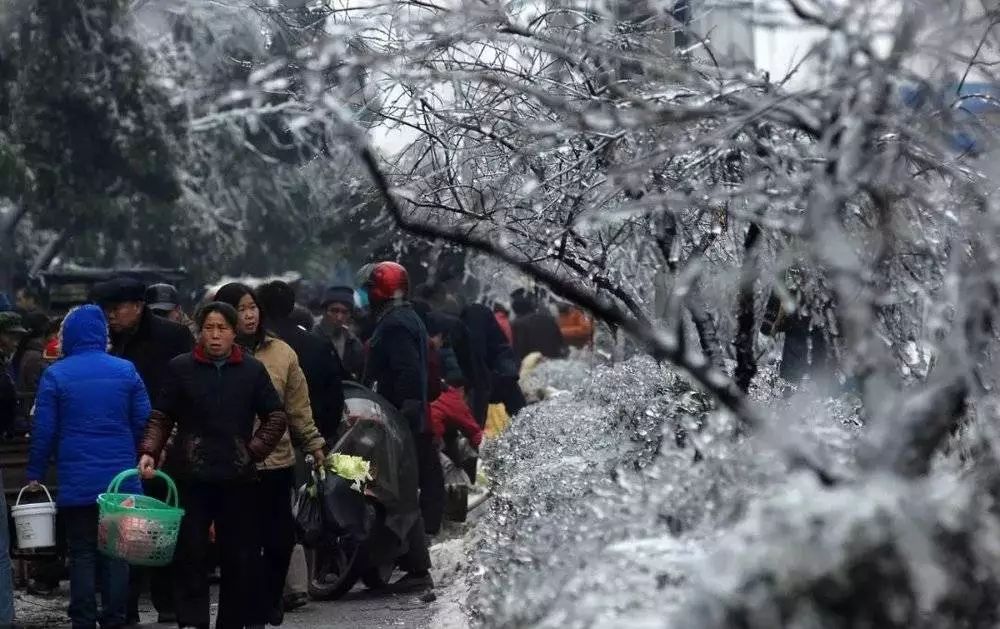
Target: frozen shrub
885 553
608 495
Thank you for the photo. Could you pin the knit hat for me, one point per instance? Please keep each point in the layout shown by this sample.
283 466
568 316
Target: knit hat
338 295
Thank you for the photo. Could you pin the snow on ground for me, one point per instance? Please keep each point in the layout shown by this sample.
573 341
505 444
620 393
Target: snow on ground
41 611
452 570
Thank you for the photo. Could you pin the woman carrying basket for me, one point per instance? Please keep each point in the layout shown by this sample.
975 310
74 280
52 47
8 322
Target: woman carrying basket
90 412
214 396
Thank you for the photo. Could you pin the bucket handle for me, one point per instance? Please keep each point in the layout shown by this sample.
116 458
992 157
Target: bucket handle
21 493
116 482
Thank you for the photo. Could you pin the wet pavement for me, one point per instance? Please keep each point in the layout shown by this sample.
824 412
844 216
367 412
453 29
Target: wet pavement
361 609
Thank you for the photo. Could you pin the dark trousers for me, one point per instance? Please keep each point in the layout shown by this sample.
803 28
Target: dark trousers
160 581
507 391
430 477
277 532
233 508
479 402
418 556
86 566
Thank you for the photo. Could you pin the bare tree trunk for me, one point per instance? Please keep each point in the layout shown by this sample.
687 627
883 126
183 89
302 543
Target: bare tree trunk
746 323
707 328
704 323
8 245
48 254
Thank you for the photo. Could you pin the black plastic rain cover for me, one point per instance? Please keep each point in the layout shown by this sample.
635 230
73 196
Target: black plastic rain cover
374 430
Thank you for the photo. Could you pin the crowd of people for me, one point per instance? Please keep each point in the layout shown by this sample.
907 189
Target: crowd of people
227 402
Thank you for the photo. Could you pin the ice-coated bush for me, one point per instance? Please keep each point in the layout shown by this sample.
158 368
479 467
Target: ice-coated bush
609 495
628 502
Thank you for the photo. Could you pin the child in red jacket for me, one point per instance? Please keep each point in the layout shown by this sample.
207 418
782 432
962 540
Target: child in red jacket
449 410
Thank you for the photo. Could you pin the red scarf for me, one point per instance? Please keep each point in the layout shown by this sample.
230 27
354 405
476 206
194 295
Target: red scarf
235 356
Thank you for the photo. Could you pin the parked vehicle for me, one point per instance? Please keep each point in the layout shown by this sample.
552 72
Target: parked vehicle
66 287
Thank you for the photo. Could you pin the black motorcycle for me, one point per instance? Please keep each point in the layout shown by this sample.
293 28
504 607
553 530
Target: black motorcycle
358 530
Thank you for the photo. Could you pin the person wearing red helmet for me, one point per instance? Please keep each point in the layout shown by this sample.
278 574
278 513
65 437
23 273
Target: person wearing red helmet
396 367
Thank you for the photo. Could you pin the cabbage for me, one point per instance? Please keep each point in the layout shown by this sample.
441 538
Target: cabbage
352 468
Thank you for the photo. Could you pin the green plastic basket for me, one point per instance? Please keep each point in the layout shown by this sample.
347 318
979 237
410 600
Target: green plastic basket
139 529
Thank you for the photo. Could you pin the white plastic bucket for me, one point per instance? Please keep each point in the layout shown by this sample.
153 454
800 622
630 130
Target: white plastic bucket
34 523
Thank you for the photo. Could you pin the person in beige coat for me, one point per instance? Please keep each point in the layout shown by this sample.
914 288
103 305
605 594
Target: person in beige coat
277 471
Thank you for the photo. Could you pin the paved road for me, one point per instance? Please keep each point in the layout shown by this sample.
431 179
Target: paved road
361 609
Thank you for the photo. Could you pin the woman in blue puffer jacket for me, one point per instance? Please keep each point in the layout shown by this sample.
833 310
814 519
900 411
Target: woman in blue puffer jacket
90 412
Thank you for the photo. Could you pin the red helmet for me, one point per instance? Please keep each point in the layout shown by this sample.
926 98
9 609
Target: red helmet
386 281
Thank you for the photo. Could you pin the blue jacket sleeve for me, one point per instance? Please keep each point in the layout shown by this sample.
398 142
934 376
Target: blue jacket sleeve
45 427
140 408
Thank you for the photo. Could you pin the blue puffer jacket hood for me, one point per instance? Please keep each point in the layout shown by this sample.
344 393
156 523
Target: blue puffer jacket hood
90 412
85 329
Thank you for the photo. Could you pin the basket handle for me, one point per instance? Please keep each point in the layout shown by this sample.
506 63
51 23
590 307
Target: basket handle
21 493
116 482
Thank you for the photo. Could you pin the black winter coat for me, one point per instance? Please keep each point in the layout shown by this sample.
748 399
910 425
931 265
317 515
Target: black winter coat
489 341
353 358
538 332
472 363
324 374
214 408
151 347
472 359
397 363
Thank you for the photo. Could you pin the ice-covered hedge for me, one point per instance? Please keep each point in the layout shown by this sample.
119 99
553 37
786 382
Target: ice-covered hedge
606 517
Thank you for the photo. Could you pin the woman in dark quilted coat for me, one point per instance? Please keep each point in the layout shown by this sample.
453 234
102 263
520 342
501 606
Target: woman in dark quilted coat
213 396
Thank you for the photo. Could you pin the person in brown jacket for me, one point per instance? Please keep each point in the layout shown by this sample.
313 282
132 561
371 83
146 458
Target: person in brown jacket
214 397
28 366
277 473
